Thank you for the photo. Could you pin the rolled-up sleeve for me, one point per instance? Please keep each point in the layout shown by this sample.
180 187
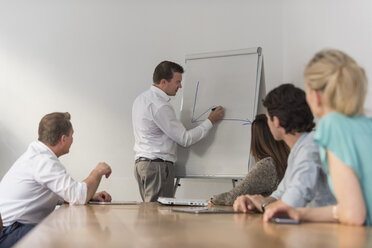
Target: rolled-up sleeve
301 189
167 121
277 194
304 182
52 174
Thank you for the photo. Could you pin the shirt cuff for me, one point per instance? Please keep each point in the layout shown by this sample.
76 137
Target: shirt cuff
273 195
207 124
81 194
294 200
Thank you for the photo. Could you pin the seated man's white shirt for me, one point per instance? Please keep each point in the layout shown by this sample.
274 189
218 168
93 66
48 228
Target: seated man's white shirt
31 188
157 130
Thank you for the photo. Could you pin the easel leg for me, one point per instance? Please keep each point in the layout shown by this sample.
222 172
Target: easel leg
176 185
234 182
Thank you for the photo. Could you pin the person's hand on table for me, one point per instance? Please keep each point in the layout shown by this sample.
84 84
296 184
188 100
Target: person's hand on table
280 210
102 196
246 203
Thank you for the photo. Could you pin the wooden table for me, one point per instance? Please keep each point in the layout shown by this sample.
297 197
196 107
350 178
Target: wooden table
154 225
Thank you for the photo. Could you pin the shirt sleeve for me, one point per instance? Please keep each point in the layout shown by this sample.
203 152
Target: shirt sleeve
302 186
166 120
261 179
277 194
52 174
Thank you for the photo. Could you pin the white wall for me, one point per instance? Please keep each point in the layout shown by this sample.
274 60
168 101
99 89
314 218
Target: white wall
91 58
310 26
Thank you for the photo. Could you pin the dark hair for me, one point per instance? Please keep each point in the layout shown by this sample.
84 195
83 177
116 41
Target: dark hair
288 103
52 126
165 70
264 145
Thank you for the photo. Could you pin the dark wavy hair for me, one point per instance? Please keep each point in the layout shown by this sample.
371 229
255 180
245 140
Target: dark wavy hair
264 145
288 103
165 70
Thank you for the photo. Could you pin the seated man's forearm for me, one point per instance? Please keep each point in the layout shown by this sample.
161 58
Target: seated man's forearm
92 182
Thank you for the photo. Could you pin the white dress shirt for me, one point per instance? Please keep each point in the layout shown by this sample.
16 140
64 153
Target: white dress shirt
31 188
157 131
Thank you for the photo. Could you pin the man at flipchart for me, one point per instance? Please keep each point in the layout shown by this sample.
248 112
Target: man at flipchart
157 132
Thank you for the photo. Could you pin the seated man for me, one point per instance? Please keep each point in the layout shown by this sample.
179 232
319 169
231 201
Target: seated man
35 183
304 182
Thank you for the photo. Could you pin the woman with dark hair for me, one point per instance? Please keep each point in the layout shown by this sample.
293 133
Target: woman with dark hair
271 162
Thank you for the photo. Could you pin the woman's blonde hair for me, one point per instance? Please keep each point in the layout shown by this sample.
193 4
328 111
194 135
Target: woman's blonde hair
340 78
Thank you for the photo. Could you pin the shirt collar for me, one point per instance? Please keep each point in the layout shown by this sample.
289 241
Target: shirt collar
45 147
160 93
299 141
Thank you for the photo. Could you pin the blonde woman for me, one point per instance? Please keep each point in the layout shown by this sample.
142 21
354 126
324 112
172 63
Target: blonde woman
336 88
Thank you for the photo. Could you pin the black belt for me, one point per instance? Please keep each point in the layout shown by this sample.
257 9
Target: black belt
152 160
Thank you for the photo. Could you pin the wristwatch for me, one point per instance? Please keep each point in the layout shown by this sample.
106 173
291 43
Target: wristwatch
265 203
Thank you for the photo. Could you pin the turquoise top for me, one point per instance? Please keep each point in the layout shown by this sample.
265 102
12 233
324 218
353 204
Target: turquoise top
350 140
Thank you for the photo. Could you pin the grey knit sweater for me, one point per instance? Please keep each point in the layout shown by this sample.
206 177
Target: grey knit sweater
261 179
